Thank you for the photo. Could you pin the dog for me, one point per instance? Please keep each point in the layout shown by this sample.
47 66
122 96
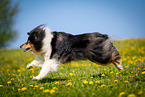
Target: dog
52 48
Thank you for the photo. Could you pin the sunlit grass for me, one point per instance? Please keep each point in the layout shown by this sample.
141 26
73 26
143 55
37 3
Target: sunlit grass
78 78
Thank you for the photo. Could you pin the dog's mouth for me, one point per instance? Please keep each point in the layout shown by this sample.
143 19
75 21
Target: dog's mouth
27 49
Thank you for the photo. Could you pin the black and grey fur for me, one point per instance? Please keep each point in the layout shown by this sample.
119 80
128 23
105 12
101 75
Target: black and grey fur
93 46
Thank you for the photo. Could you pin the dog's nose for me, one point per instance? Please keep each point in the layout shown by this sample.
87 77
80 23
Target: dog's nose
21 46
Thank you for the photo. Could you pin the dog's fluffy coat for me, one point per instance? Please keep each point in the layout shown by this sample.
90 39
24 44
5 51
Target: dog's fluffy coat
53 48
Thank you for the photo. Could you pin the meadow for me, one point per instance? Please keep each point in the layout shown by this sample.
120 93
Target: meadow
78 78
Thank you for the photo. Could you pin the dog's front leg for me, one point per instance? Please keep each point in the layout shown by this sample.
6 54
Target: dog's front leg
49 65
37 62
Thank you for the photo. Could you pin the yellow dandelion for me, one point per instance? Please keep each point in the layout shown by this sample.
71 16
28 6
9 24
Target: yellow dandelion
98 82
1 85
103 85
126 81
103 75
19 75
24 88
122 93
31 85
68 84
56 83
19 70
12 78
105 69
36 86
115 81
91 77
48 75
85 82
52 91
126 66
61 68
46 91
60 73
143 72
31 76
140 92
131 95
55 88
19 89
41 88
111 72
8 82
71 74
91 82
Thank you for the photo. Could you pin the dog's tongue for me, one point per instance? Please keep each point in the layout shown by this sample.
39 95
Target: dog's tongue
27 50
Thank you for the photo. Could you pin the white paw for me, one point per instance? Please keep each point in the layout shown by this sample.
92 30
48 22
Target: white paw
36 78
29 66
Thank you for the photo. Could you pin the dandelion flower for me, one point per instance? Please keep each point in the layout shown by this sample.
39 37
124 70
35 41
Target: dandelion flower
19 89
103 75
55 88
36 86
85 82
122 93
31 85
56 83
131 95
140 92
105 69
111 72
126 81
126 66
41 88
12 78
9 82
1 85
46 91
24 88
98 82
91 82
143 72
52 91
61 68
68 84
116 81
71 74
91 77
103 85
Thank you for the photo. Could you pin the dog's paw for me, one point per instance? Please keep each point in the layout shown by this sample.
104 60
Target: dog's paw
36 78
29 66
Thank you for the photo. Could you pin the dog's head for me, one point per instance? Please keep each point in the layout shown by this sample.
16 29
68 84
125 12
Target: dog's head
35 40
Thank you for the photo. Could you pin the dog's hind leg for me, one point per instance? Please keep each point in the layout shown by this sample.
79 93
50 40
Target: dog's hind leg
118 65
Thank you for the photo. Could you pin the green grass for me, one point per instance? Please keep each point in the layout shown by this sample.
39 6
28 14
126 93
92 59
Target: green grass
76 79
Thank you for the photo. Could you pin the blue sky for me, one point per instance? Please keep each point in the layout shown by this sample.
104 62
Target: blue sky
120 18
